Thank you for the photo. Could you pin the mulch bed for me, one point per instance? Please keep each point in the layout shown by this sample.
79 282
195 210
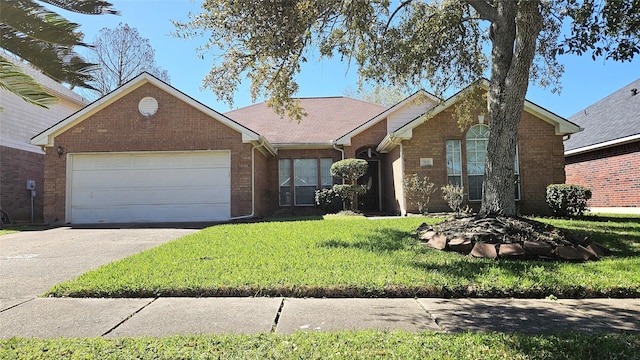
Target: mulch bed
509 237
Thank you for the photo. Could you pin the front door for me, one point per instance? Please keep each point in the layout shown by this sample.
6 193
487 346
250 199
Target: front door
371 200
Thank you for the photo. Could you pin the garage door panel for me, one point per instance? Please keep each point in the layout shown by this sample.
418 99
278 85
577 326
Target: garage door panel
144 213
150 187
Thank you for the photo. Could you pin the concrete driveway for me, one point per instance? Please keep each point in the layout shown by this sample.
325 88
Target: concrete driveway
33 261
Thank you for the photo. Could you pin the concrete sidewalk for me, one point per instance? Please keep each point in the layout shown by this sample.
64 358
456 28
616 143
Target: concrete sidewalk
66 317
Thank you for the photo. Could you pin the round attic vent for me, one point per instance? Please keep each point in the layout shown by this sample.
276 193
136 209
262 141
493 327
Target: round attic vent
148 106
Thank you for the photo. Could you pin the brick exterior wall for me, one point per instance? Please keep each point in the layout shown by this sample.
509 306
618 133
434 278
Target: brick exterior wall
540 155
612 174
16 167
369 138
119 127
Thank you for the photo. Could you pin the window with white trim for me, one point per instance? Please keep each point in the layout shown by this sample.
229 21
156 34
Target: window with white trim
308 175
477 140
284 176
454 162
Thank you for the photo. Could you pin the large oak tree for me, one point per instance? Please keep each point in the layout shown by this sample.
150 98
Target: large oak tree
439 43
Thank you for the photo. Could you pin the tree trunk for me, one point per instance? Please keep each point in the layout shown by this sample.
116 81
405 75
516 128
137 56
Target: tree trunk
514 35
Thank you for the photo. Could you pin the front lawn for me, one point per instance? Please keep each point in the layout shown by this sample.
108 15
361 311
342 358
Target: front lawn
355 258
336 345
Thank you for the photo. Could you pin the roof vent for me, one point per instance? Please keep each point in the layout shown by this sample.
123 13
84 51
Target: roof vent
148 106
634 92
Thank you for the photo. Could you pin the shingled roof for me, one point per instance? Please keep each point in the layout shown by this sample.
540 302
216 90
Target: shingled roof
609 121
327 119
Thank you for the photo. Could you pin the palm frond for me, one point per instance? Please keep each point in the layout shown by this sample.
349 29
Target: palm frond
17 82
56 61
35 21
89 7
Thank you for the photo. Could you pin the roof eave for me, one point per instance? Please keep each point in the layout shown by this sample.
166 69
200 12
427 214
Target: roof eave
392 140
562 126
603 145
303 146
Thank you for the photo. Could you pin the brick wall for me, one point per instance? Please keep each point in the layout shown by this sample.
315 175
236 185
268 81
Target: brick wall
16 167
370 138
612 174
119 127
540 156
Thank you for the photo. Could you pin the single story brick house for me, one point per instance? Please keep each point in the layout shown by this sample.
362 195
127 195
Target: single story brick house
605 157
149 153
21 163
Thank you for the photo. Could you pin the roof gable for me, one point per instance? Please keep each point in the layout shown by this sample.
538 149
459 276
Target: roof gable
46 137
613 120
562 126
421 99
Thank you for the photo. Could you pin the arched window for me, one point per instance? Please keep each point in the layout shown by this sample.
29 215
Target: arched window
476 140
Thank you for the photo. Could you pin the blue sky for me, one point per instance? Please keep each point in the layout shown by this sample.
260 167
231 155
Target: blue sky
584 82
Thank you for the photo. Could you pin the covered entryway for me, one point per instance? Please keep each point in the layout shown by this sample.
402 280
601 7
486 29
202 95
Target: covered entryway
371 200
138 187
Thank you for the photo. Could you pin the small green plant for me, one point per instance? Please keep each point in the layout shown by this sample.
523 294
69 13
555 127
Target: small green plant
350 170
453 195
419 191
567 200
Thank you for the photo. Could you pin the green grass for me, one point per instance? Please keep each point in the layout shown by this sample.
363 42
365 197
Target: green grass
355 258
338 345
7 231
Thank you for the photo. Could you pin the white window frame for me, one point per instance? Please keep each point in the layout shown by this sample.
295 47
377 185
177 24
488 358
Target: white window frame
284 182
477 136
454 158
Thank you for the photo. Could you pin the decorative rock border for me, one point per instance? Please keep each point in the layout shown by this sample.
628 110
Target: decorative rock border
508 238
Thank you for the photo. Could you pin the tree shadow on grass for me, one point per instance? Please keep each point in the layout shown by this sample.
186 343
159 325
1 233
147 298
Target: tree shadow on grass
383 240
621 241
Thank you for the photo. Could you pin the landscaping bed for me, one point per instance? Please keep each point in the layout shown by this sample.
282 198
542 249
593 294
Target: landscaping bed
358 258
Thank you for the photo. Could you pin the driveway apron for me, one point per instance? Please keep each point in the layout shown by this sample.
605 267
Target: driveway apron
31 262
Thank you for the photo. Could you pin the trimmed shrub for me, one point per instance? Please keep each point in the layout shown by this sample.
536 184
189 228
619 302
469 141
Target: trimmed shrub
328 200
453 195
567 200
350 170
348 194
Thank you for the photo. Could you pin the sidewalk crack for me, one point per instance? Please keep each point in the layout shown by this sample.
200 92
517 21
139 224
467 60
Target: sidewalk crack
129 317
274 325
435 319
16 305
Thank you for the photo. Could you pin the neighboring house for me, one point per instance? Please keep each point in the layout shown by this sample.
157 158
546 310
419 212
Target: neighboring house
149 153
19 160
605 157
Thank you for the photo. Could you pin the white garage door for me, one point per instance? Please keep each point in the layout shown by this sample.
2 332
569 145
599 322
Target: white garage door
149 187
